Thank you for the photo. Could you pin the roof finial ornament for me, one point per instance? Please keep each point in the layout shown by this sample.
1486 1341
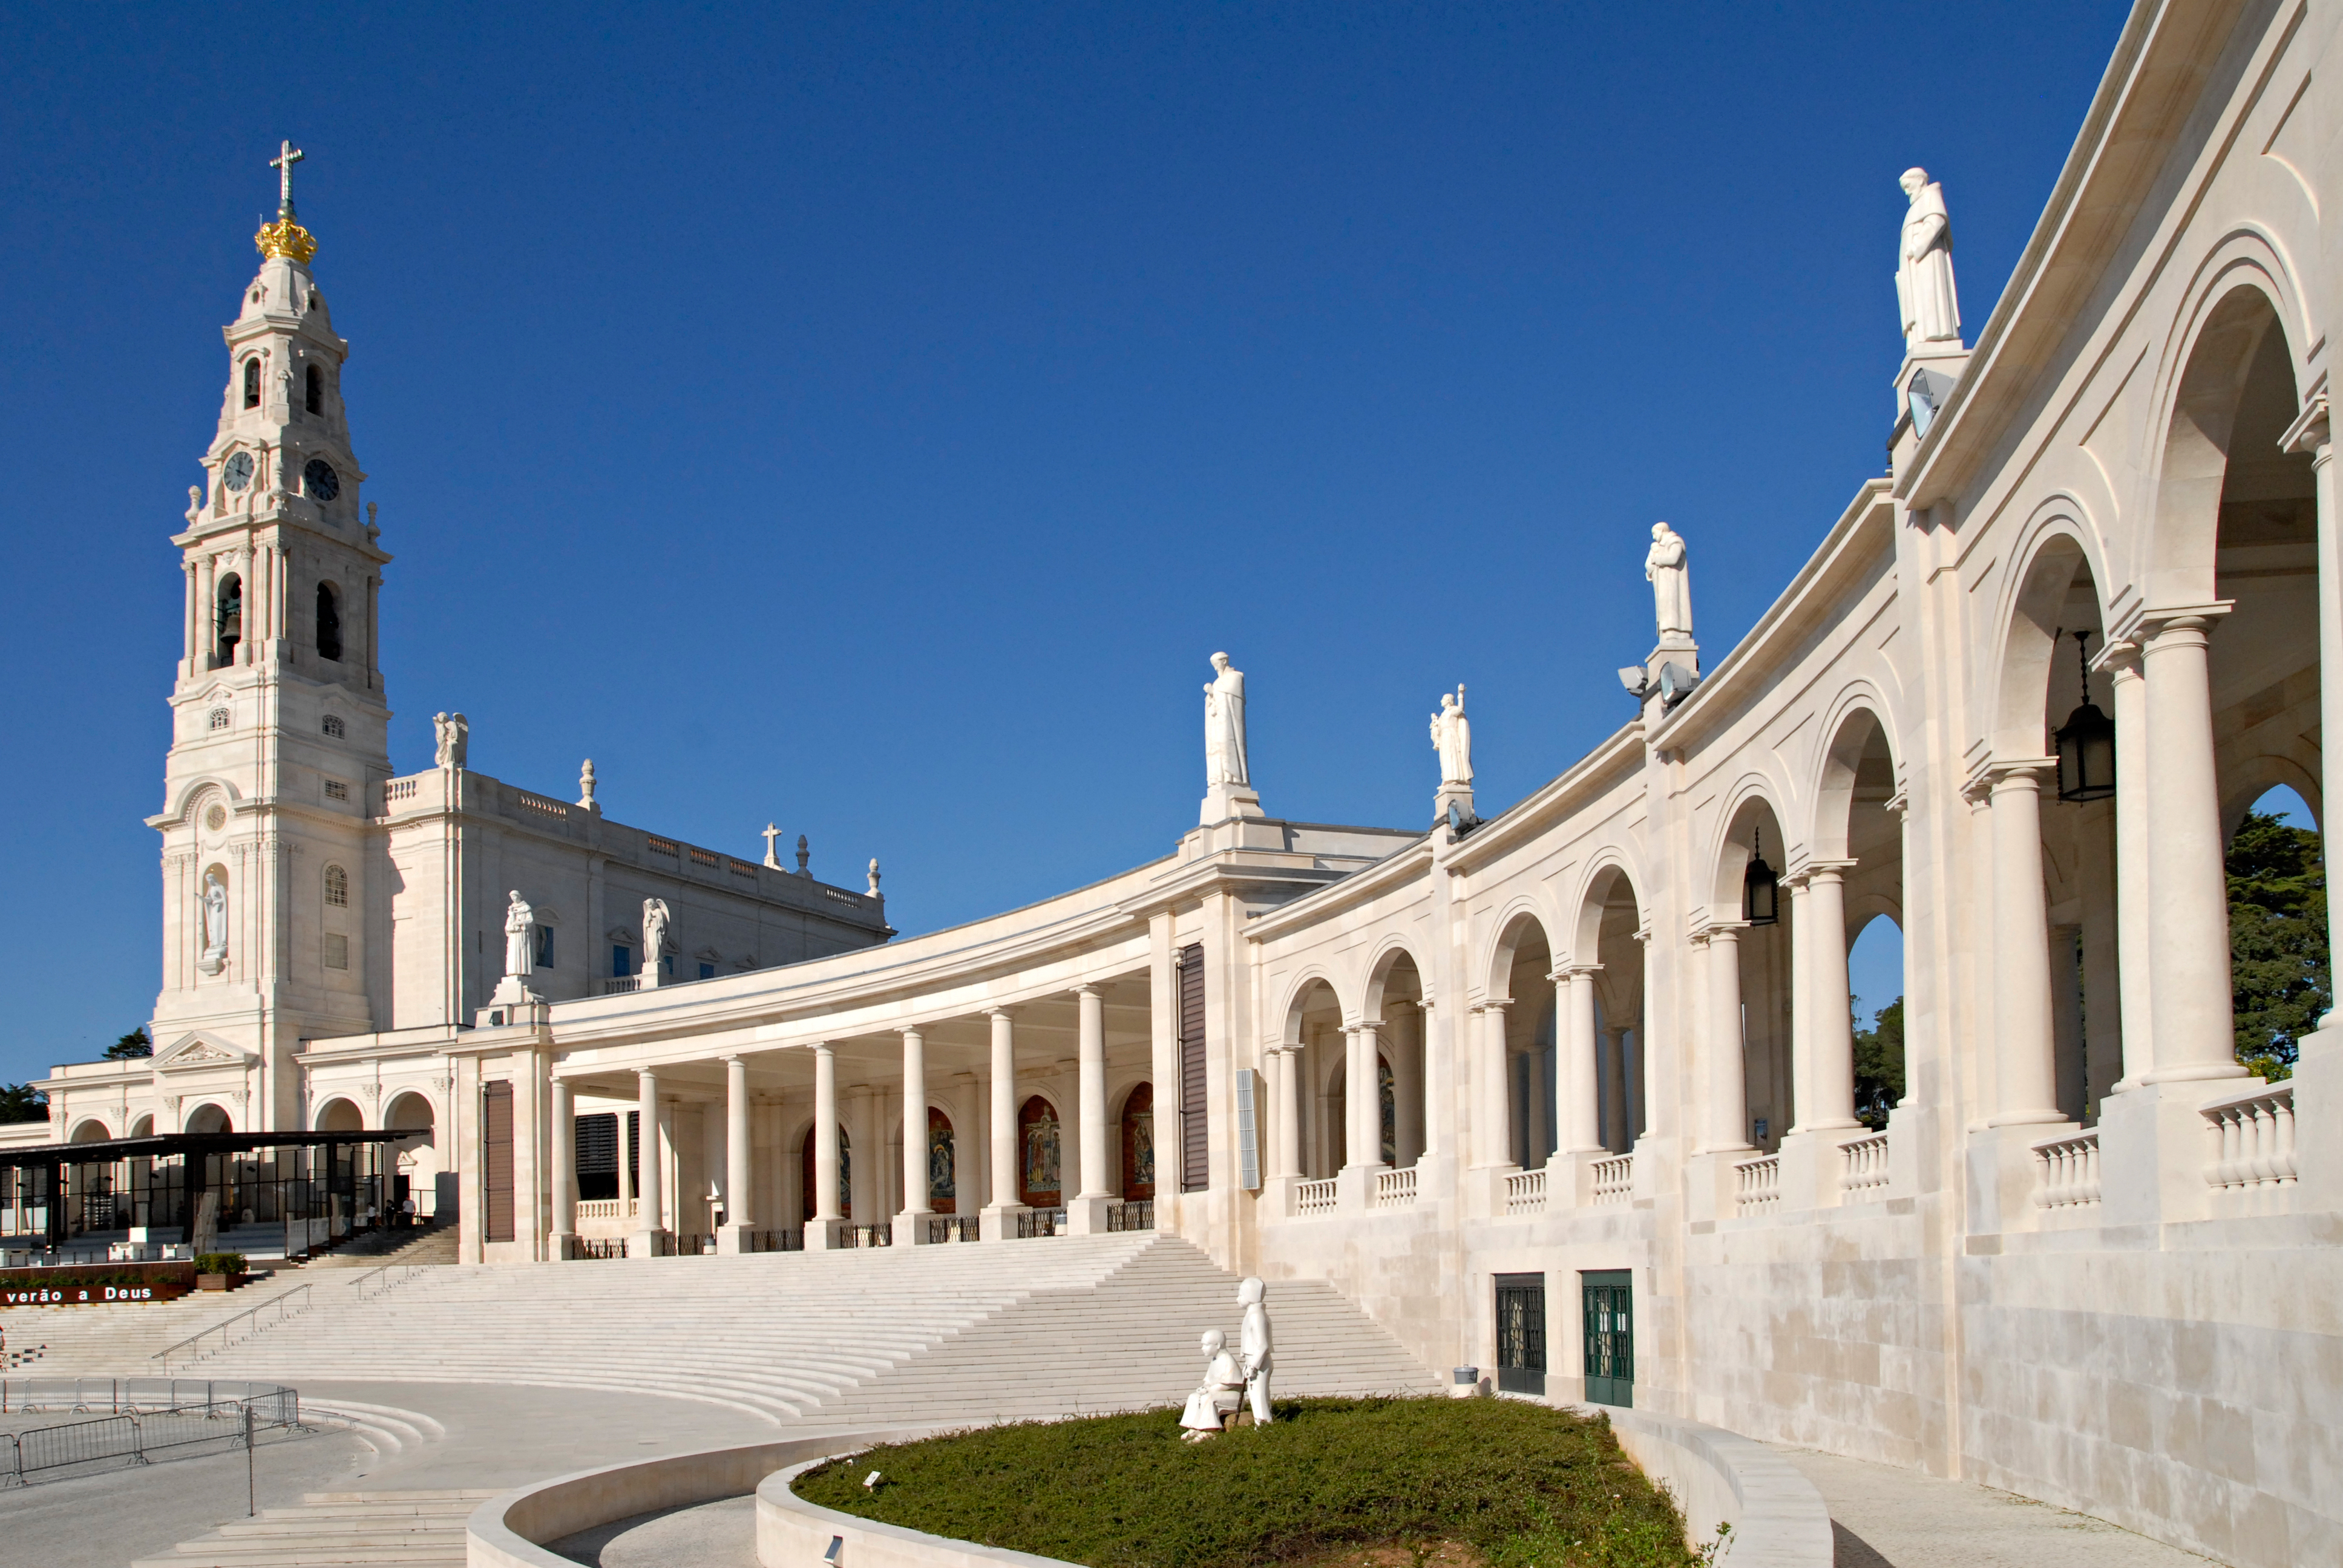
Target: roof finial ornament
804 854
286 238
874 876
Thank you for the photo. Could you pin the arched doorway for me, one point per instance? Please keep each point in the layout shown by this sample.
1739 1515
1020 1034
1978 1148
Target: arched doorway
1040 1154
338 1115
209 1117
1138 1142
944 1189
809 1189
1517 1118
415 1166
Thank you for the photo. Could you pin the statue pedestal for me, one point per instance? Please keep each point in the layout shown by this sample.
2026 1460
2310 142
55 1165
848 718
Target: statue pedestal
998 1222
1222 801
1458 795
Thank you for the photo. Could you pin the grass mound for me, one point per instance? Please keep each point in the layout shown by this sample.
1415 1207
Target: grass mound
1507 1483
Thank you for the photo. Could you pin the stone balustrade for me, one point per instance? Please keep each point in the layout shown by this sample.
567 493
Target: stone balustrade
2251 1138
1863 1165
1314 1197
606 1209
1395 1189
1757 1185
1525 1192
1614 1180
2066 1169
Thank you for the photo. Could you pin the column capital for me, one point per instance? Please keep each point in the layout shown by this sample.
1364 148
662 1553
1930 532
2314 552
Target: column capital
2310 431
913 1030
1572 971
1087 988
1822 871
1008 1012
1492 1004
2024 772
2179 623
729 1058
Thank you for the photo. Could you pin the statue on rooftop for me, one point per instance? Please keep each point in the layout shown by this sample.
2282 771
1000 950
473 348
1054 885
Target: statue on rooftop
655 923
1671 578
518 920
1219 1396
1451 737
1224 725
450 736
1931 308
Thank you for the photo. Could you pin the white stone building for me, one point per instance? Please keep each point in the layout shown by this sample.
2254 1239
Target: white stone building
2086 1259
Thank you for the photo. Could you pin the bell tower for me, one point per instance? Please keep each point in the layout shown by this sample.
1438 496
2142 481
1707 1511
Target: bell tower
278 743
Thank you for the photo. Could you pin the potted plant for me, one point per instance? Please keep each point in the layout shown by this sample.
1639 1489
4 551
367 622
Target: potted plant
220 1270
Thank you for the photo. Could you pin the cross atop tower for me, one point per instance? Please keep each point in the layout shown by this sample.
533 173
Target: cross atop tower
287 154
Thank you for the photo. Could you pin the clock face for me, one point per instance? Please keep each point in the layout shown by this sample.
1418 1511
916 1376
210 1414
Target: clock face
237 472
319 480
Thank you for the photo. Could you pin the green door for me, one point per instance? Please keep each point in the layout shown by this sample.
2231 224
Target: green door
1610 1337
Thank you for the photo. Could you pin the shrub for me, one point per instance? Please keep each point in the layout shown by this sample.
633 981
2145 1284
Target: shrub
219 1262
1526 1485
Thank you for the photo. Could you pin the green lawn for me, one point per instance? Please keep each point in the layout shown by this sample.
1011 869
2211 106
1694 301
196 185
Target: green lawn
1521 1485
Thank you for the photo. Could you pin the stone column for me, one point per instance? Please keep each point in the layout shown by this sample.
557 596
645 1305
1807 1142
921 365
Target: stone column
1537 1101
1366 1098
1086 1211
1493 1073
1407 1082
1286 1063
911 1222
998 1222
564 1127
2021 950
206 613
195 621
1793 1117
825 1149
2189 936
1442 1132
1614 1101
2135 959
1827 1093
1728 1088
1579 1124
740 1207
650 1228
866 1158
2313 432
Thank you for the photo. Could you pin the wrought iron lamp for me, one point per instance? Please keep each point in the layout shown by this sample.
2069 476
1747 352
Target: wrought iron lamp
2087 742
1761 890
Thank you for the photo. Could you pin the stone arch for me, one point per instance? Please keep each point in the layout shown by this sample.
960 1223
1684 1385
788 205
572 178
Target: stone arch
2056 592
2241 793
339 1114
141 1126
1860 733
1516 1062
1310 1072
1301 995
89 1130
207 1116
416 1160
1601 1042
1397 993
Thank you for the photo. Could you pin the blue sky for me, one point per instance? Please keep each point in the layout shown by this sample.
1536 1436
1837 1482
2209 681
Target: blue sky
870 417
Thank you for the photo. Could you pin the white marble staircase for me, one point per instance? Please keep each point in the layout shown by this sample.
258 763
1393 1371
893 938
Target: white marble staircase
383 1527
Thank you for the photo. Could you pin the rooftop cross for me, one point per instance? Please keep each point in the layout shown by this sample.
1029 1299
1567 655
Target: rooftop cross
287 154
771 859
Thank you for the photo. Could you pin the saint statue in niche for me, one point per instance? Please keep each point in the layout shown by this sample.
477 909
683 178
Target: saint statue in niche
1224 725
213 911
655 919
518 918
1931 308
1671 578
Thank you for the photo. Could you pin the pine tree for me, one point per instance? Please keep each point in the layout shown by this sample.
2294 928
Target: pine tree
2279 973
133 1045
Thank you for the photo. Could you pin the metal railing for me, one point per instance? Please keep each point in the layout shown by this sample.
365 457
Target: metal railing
2067 1170
374 1282
944 1229
1395 1189
784 1239
847 1233
591 1249
1133 1214
1757 1185
145 1433
1862 1164
1612 1180
266 1315
1525 1192
1035 1222
2251 1138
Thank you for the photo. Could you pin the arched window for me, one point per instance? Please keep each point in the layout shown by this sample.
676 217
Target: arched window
219 719
329 623
338 886
252 383
231 617
316 390
335 729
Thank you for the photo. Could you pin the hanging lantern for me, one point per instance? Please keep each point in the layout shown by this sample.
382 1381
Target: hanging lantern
1761 890
2087 742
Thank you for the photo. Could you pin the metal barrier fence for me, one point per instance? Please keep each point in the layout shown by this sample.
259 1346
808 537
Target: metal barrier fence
946 1227
153 1418
1138 1214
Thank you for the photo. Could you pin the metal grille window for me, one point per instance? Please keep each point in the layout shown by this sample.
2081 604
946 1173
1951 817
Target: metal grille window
598 1157
496 1158
1520 1333
1610 1337
1195 1128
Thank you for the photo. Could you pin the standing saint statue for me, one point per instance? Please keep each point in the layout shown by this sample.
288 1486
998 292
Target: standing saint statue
1451 737
1255 1351
1224 725
519 919
1924 266
214 913
450 735
1671 581
655 923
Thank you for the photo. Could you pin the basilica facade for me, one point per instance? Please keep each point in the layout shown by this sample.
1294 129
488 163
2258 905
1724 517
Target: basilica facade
1565 1095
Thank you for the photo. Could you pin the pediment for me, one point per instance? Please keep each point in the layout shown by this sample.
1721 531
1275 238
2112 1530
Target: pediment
201 1049
621 934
